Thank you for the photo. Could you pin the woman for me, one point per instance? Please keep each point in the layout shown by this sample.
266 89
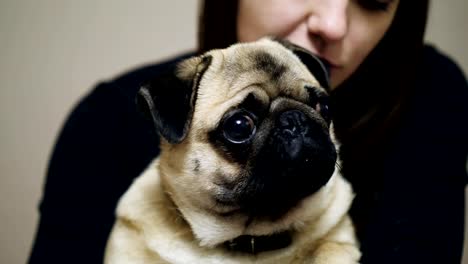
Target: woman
398 111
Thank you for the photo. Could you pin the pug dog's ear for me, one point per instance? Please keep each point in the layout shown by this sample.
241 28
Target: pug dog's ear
169 99
317 67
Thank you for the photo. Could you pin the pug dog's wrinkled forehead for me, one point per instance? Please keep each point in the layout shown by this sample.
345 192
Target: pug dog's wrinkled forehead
267 68
204 87
267 64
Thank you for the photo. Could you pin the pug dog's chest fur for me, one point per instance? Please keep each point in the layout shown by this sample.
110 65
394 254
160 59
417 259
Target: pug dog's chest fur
247 170
151 229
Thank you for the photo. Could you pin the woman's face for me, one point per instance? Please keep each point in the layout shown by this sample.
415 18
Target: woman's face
342 32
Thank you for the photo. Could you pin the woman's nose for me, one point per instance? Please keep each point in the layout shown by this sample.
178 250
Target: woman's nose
328 19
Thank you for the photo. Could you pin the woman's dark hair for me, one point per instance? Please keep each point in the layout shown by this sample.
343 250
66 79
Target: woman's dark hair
368 106
217 27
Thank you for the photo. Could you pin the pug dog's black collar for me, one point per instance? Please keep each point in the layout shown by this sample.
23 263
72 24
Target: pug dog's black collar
257 244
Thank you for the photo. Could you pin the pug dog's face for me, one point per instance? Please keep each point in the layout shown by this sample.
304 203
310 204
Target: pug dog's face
245 136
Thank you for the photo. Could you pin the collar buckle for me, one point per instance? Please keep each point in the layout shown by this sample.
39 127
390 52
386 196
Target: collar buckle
256 244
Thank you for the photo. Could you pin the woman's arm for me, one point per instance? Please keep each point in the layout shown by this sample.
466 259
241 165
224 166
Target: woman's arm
104 144
420 213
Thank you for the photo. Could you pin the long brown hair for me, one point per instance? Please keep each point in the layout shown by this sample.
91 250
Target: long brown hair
369 105
217 26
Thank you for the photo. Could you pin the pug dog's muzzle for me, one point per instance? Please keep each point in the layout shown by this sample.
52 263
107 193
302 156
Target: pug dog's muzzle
248 165
292 159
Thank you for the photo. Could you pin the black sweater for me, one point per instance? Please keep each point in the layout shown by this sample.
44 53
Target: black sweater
106 143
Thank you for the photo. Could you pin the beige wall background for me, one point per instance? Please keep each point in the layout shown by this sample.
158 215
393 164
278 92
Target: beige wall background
53 51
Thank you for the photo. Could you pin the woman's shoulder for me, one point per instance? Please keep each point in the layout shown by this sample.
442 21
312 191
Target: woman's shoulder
440 67
435 121
111 104
129 82
119 92
442 83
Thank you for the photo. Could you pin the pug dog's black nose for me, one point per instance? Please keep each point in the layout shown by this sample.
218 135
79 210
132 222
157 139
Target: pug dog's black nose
292 121
297 159
292 127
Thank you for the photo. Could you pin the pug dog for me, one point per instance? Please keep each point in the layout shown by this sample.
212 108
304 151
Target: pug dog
248 166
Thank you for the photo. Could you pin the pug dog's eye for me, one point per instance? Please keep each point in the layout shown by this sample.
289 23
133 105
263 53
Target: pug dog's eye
320 102
239 127
324 109
324 103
